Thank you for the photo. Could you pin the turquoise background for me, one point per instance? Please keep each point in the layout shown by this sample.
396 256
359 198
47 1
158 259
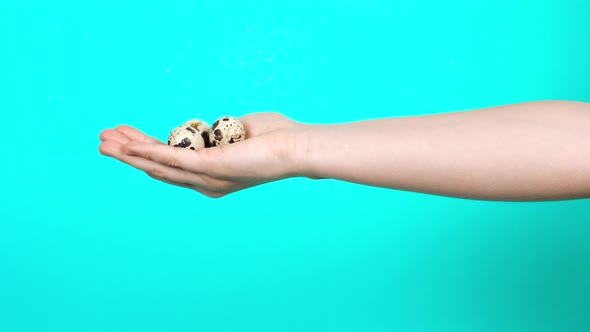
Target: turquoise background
90 244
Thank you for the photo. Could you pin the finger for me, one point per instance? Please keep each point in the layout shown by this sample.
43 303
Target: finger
204 184
163 172
169 156
188 160
136 135
113 135
109 148
113 150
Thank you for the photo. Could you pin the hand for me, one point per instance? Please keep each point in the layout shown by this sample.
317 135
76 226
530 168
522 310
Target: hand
268 154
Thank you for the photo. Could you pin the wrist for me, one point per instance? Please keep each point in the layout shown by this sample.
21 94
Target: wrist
300 153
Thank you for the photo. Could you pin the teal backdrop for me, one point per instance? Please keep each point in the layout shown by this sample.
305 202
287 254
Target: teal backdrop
90 244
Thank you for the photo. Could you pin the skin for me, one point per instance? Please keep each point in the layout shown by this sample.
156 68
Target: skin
534 151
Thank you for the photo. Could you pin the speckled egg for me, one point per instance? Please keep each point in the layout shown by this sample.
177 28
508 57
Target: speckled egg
186 137
227 130
202 128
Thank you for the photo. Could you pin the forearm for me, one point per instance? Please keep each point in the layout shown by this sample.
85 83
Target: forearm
531 151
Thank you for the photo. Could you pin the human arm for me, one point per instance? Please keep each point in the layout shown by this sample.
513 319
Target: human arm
522 152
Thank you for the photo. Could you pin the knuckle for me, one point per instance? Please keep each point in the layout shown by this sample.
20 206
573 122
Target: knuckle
157 172
172 162
273 114
148 155
208 180
174 159
168 160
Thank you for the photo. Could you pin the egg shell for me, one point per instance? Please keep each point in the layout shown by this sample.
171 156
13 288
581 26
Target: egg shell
203 128
227 130
186 137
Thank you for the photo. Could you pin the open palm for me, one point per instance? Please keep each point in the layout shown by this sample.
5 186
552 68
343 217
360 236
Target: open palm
266 155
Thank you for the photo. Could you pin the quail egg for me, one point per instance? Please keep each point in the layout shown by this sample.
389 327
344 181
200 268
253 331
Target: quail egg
186 137
227 130
203 128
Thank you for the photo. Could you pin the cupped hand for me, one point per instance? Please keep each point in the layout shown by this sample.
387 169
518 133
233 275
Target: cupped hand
268 154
